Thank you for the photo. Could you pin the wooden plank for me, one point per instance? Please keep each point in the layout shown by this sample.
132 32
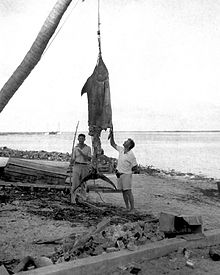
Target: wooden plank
3 270
16 177
61 164
36 166
33 185
104 190
29 171
34 175
52 186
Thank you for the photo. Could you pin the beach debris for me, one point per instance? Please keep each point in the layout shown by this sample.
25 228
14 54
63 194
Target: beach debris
50 241
82 240
3 270
32 154
122 267
135 270
82 201
131 245
30 262
214 254
4 199
24 264
186 253
107 238
190 263
42 261
173 224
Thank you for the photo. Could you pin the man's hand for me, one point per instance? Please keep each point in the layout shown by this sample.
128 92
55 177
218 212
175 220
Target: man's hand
84 155
135 169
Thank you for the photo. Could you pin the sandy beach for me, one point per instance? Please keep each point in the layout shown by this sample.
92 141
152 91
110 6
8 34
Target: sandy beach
189 195
20 226
151 69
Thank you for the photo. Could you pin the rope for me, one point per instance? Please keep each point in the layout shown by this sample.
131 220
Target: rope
100 197
98 32
61 26
98 193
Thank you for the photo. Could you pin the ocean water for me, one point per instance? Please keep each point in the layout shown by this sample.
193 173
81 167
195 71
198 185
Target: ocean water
193 152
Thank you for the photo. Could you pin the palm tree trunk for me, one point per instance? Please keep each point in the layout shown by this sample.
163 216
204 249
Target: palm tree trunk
34 54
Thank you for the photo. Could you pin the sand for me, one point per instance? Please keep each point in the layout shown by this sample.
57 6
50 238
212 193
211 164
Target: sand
179 194
153 194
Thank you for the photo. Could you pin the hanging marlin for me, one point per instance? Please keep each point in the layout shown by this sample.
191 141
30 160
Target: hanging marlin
99 112
99 109
98 93
99 102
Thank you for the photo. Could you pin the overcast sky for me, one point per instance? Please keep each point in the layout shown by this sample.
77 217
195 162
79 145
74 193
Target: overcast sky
163 59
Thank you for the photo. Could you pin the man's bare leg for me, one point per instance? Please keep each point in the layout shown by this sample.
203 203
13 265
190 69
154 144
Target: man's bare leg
130 199
72 195
126 199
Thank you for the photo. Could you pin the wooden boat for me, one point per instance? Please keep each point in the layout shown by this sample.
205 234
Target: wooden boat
35 171
17 172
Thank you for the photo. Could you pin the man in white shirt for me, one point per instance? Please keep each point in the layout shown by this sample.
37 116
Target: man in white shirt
80 161
126 163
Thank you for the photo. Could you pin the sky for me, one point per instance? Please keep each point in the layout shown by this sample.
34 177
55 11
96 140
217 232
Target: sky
163 59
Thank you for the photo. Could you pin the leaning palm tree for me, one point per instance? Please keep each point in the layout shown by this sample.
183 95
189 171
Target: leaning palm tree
34 54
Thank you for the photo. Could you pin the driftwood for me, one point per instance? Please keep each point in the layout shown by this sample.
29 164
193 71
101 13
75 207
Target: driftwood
3 270
94 230
51 241
36 262
26 261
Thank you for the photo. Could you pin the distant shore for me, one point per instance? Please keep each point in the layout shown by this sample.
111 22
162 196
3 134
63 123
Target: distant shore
27 154
149 131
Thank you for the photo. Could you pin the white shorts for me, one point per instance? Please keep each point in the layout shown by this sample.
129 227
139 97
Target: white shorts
125 182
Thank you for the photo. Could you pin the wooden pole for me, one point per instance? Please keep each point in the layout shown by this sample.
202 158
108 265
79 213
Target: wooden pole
71 160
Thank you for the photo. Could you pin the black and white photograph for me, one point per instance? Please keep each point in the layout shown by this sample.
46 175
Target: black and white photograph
109 137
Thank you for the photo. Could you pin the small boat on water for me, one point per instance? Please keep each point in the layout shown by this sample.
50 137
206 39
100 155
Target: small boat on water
54 133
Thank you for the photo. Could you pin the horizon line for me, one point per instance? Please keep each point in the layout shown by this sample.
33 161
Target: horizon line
163 131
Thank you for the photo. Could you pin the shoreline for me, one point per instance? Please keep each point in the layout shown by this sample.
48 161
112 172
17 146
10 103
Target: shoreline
145 131
65 157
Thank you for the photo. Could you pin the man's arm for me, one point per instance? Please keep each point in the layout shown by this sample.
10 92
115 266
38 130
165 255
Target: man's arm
87 157
111 137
